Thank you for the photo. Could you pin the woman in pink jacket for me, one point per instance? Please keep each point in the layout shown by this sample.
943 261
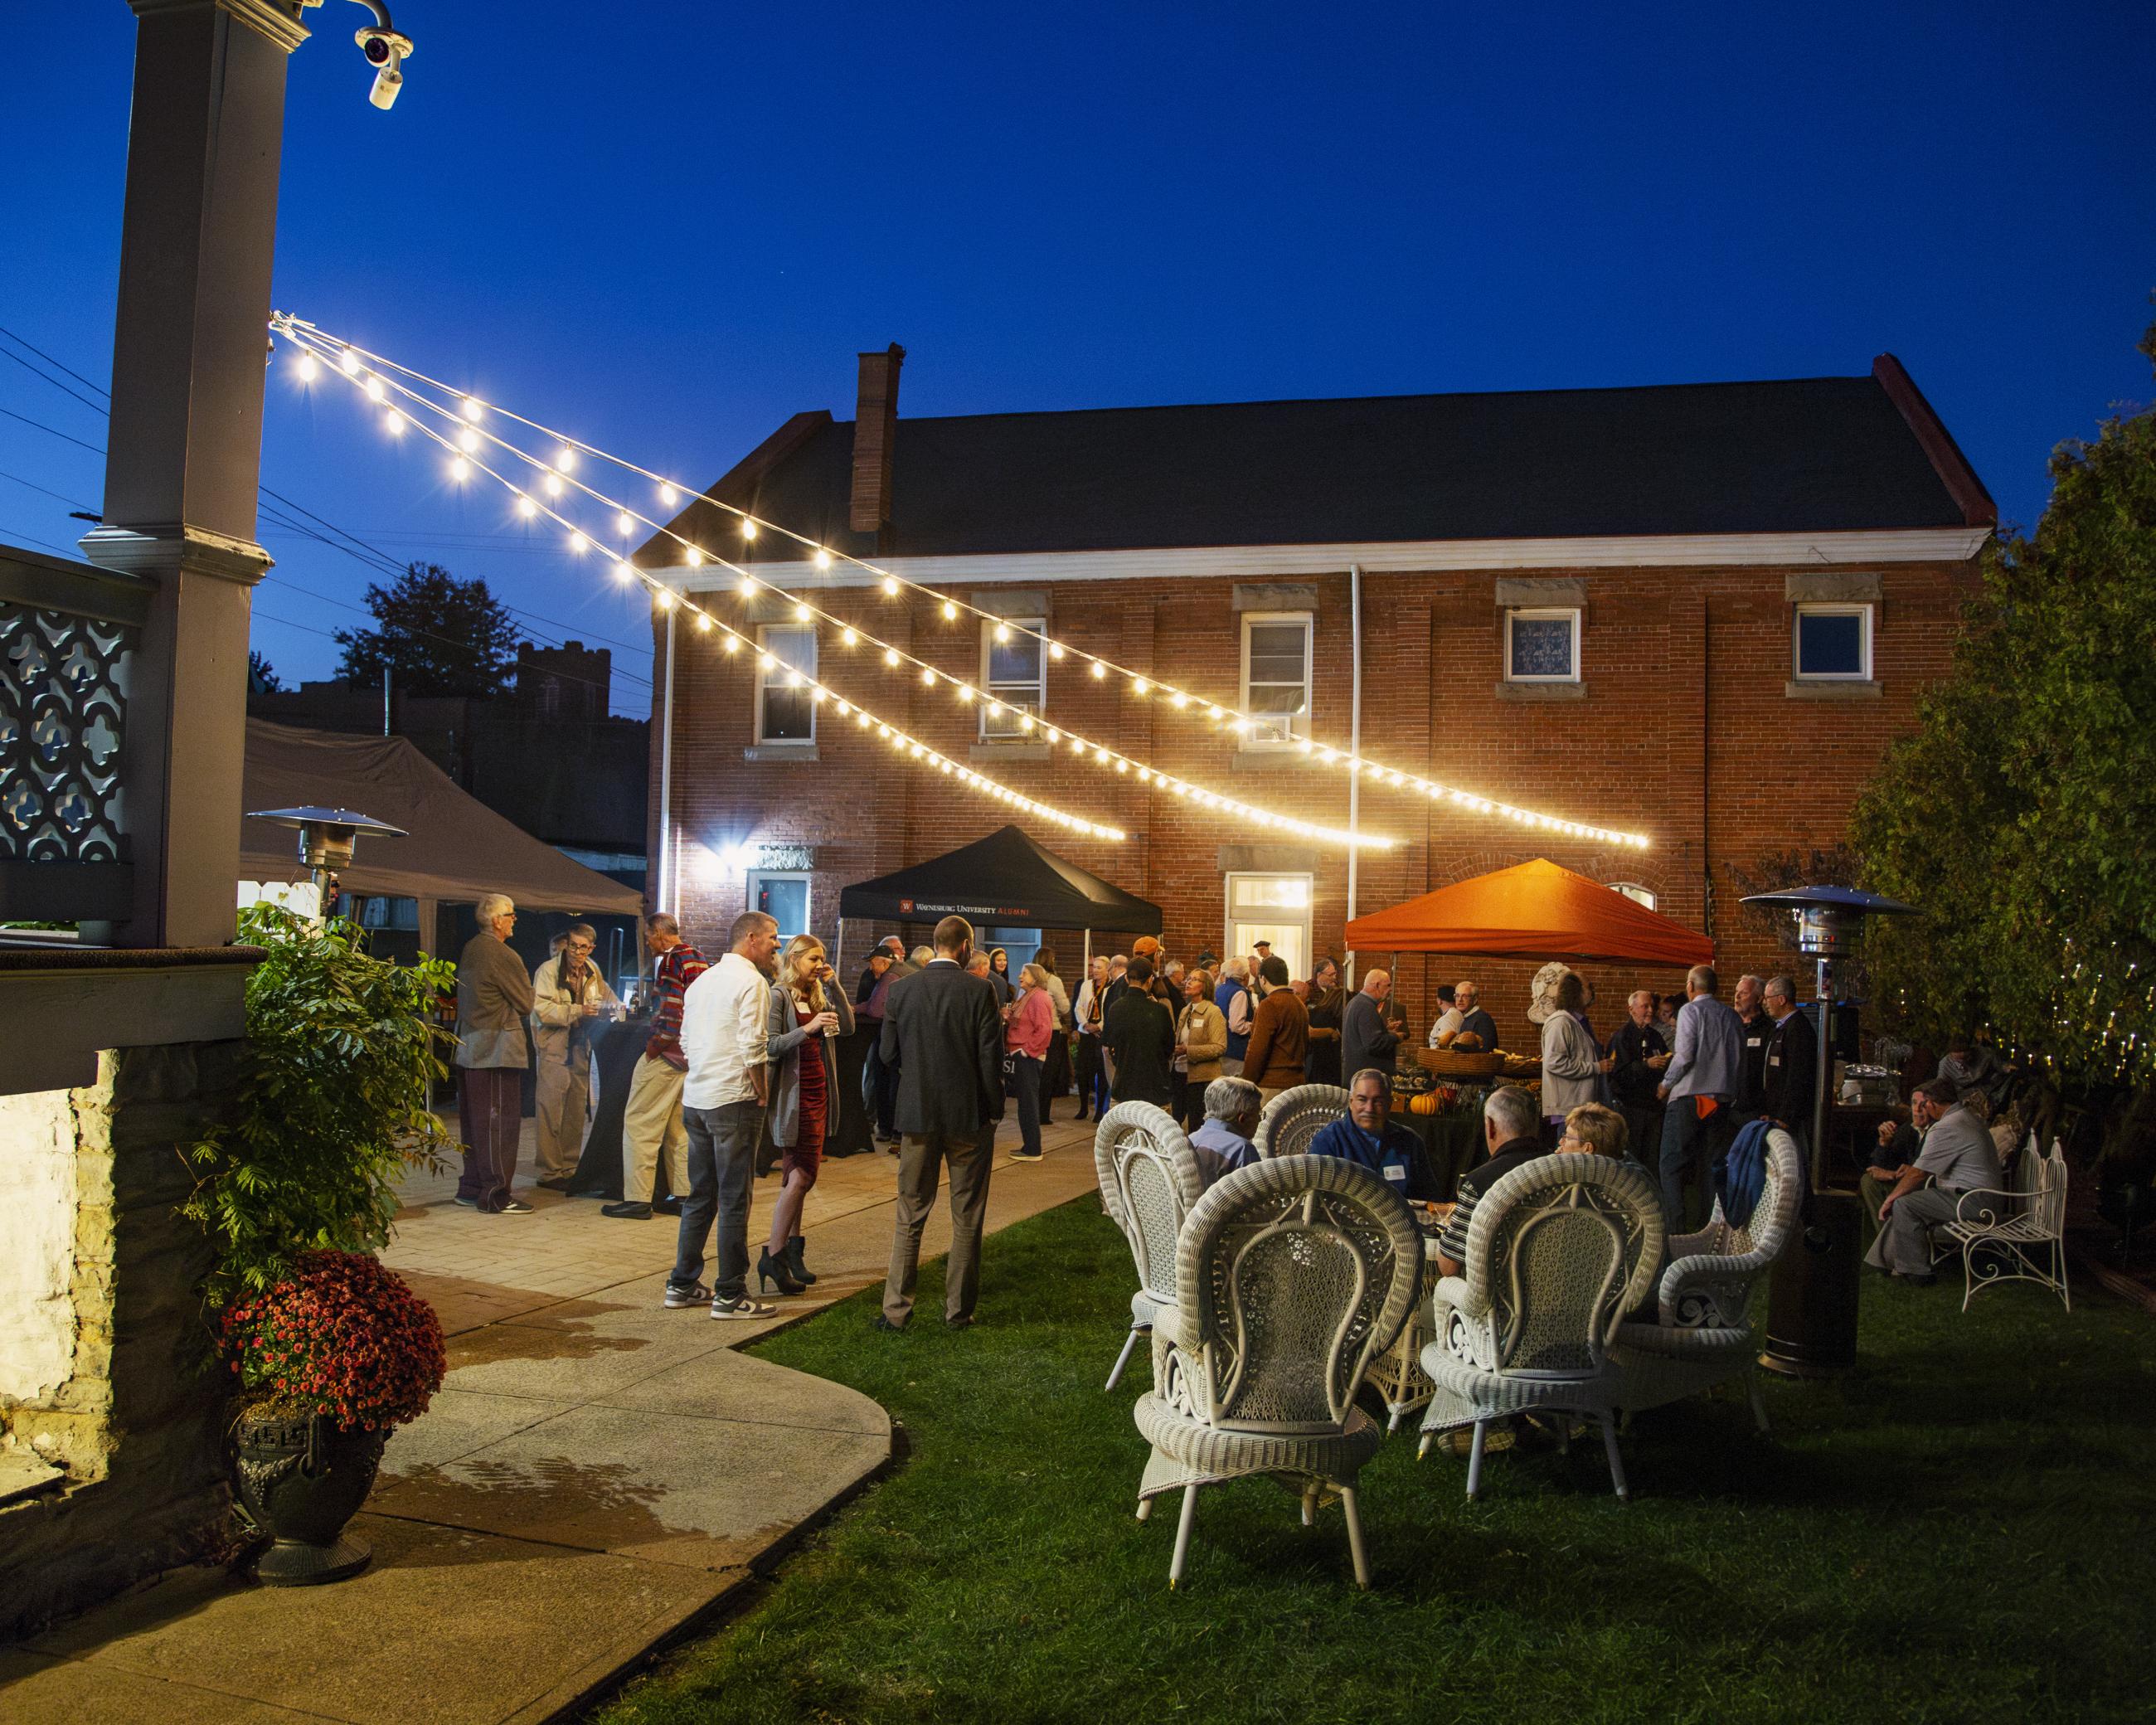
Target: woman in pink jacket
1029 1021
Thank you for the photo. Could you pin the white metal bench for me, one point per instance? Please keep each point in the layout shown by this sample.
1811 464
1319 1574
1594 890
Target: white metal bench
2028 1243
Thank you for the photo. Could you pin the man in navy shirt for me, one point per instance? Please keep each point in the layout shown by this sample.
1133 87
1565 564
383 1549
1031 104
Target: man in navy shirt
1367 1138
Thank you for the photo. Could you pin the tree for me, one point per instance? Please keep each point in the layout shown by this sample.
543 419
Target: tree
262 678
435 636
2017 819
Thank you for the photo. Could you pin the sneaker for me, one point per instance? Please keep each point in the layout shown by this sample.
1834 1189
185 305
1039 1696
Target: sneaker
680 1299
1023 1154
469 1203
514 1207
629 1209
743 1306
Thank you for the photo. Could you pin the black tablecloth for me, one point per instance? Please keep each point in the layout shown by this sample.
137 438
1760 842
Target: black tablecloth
1452 1143
598 1168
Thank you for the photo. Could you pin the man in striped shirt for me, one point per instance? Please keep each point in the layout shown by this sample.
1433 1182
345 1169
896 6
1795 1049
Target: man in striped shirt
653 1117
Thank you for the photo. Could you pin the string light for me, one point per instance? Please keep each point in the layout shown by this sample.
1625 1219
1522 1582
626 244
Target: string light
472 409
393 422
526 506
468 441
309 368
624 524
668 496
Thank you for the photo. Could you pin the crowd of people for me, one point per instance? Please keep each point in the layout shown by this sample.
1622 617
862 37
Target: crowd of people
745 1051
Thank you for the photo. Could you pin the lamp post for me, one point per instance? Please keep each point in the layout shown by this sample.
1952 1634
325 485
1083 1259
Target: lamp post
1811 1305
327 838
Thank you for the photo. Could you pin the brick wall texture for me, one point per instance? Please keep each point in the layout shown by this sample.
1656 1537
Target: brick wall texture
1683 730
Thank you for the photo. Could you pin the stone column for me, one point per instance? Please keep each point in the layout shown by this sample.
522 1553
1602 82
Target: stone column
189 351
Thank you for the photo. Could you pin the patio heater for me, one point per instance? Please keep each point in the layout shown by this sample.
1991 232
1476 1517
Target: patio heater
1811 1304
327 837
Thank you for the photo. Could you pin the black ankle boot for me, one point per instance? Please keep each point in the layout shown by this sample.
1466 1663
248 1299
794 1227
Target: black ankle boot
794 1251
770 1270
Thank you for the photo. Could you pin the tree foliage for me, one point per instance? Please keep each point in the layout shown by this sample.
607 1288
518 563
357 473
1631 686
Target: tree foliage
2018 819
262 678
342 1049
435 636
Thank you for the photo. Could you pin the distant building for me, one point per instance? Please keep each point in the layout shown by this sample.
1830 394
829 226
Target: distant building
570 681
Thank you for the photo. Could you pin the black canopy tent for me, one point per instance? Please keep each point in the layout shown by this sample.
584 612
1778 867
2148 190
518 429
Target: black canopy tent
1006 879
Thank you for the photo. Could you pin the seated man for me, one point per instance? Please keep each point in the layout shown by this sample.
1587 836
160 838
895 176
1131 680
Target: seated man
1512 1132
1897 1149
1222 1144
1368 1138
1956 1157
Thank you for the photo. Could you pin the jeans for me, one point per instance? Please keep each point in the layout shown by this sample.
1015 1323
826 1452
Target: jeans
1688 1141
1025 1074
721 1159
879 1084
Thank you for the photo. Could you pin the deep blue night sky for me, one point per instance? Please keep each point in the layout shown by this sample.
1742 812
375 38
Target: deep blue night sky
669 226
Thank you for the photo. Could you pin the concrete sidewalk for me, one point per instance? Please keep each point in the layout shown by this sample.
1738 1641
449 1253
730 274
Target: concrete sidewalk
597 1475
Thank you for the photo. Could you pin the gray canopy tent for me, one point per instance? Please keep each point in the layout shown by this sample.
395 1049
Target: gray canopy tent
1008 880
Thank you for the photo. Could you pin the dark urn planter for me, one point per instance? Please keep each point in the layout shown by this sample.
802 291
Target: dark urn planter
301 1480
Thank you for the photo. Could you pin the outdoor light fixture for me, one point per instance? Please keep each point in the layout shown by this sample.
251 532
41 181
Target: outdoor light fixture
1811 1310
327 837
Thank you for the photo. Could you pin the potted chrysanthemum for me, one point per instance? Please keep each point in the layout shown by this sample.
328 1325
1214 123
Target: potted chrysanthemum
329 1361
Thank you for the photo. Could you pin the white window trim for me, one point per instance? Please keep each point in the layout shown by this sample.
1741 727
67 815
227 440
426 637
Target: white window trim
1279 915
1298 724
763 637
1821 607
1036 625
752 878
1570 614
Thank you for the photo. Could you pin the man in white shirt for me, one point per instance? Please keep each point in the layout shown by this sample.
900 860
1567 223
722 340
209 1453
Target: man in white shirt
1705 1072
725 1025
1449 1018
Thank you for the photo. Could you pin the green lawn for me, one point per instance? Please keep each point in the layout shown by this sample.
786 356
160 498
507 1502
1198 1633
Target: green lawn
1960 1531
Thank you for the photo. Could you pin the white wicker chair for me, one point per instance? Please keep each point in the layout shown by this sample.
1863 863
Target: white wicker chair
1291 1276
1296 1116
1149 1180
1558 1251
2028 1243
1703 1335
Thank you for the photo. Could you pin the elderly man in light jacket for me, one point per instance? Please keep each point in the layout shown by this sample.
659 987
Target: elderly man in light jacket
494 994
569 1000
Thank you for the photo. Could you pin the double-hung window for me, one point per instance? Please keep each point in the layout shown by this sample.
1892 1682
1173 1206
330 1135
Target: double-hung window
1014 676
1833 643
1277 649
785 704
1542 646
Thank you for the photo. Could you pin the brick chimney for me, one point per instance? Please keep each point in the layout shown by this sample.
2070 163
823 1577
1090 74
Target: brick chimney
875 422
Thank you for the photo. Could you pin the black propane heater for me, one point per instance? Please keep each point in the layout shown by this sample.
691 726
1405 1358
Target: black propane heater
327 837
1811 1304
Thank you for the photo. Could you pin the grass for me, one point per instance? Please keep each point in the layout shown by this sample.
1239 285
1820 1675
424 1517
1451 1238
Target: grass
1958 1530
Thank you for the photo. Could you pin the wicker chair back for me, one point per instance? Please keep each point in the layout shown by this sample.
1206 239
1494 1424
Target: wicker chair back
1296 1116
1148 1179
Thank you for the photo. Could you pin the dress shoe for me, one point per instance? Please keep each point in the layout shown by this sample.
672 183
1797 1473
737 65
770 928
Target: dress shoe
554 1182
629 1211
885 1323
957 1323
667 1206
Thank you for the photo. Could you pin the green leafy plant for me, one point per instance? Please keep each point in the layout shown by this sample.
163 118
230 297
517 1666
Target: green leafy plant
339 1335
343 1050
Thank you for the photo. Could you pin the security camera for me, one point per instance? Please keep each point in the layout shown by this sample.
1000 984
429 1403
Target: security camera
385 51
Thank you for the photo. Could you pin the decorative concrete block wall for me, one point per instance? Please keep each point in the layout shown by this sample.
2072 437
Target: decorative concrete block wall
112 1423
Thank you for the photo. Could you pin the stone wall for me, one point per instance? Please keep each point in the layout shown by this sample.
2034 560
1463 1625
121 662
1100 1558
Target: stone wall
100 1323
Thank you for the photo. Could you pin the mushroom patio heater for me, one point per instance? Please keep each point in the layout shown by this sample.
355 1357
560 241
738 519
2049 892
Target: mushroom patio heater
1811 1304
326 839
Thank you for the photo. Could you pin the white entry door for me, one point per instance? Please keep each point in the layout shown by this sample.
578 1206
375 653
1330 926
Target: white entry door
1270 907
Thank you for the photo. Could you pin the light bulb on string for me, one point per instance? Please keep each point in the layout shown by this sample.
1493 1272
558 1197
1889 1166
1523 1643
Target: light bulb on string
1100 671
695 556
891 587
950 611
375 392
849 635
393 422
668 495
747 528
624 524
578 542
554 486
1056 649
746 588
823 558
891 657
526 506
348 363
800 613
309 368
565 459
459 469
472 410
468 441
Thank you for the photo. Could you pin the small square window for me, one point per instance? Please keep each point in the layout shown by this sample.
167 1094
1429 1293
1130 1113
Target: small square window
785 704
1834 643
1542 646
1014 675
1276 675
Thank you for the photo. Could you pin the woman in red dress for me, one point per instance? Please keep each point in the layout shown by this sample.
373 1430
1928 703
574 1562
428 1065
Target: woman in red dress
804 1085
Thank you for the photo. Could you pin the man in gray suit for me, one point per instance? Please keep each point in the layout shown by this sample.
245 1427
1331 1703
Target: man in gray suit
1957 1157
941 1029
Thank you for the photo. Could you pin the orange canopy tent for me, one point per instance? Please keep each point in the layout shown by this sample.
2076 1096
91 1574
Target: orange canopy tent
1535 910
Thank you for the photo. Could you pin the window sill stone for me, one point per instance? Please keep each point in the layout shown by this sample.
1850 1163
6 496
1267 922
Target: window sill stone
1832 689
797 753
1542 691
988 754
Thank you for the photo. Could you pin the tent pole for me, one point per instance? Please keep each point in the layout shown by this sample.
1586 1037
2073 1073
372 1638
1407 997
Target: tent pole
839 950
1355 746
1089 954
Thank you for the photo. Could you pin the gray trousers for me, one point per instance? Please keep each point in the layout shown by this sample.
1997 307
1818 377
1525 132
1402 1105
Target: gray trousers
1904 1244
721 1164
920 1162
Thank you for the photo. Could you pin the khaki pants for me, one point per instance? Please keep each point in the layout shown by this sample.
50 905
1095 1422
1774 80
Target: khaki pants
653 1117
920 1161
563 1100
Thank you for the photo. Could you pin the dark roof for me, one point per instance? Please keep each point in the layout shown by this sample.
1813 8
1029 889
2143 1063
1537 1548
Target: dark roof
1006 879
1816 454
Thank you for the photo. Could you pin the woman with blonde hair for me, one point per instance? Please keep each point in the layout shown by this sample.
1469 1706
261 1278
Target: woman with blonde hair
1027 1024
804 1088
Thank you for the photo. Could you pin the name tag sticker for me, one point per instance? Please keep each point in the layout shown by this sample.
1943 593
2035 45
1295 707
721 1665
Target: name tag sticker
1399 1175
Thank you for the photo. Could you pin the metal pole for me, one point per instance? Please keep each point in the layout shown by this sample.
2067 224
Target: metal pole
385 701
1819 1081
1355 745
667 872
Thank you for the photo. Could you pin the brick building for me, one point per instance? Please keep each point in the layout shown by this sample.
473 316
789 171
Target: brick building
1697 613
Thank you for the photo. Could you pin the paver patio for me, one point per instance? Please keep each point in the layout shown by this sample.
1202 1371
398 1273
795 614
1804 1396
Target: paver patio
596 1474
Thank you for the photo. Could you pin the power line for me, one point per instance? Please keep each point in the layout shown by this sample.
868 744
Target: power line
35 486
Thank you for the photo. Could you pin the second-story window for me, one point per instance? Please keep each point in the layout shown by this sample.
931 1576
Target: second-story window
1542 646
1833 643
1014 675
1276 676
785 705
